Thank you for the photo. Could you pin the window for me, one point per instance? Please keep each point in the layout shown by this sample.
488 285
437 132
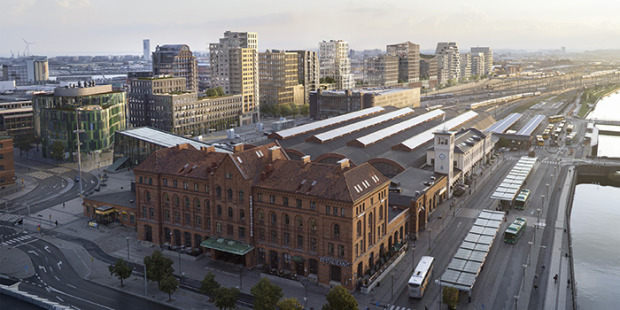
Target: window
144 212
300 223
285 201
261 255
298 203
218 192
198 223
175 184
241 196
166 198
185 185
341 211
241 232
261 216
274 236
312 205
167 215
187 219
300 241
140 179
208 222
150 181
242 214
287 238
165 182
359 228
274 218
151 213
330 249
327 210
230 212
230 229
335 211
287 220
175 200
313 225
336 231
287 261
197 205
357 250
229 193
261 233
208 206
207 189
381 212
228 175
219 210
218 227
341 250
272 199
313 244
187 203
147 196
177 217
167 234
259 197
196 186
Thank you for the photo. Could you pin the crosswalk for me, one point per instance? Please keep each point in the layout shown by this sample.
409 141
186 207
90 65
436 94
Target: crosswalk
11 218
395 307
17 239
546 161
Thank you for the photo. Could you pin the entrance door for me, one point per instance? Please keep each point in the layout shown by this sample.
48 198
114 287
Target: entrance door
313 266
335 273
148 233
300 268
273 257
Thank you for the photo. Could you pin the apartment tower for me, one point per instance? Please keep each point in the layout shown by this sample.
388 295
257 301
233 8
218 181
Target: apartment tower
334 63
408 61
448 62
488 58
176 60
278 77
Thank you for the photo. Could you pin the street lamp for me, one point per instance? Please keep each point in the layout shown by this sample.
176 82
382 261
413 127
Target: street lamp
516 297
127 238
523 280
547 189
543 202
529 253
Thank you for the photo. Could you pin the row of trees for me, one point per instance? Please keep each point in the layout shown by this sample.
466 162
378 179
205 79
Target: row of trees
267 296
290 109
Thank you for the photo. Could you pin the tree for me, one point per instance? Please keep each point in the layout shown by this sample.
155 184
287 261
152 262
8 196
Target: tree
24 144
208 285
266 295
304 110
211 92
289 304
450 297
294 108
339 298
57 151
219 91
157 266
225 298
285 110
168 284
121 270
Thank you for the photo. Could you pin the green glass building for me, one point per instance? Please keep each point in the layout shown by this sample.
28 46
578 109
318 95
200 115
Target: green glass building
98 111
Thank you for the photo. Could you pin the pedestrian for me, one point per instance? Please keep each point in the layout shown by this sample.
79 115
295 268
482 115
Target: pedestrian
56 223
535 287
63 204
555 278
543 267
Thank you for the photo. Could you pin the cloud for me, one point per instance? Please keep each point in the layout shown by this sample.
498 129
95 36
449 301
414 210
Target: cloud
73 3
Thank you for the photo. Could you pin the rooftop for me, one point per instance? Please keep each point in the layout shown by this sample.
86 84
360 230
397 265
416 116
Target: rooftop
163 138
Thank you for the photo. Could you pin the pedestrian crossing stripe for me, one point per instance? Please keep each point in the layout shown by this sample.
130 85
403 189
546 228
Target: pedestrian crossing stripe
19 239
395 307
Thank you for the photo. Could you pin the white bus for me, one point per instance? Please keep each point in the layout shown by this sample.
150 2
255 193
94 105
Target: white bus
421 276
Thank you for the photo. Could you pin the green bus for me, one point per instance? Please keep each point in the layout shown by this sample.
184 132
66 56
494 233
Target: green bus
515 230
522 199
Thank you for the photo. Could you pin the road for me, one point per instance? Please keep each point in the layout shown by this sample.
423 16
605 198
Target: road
56 280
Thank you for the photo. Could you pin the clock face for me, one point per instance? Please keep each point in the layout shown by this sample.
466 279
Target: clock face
442 156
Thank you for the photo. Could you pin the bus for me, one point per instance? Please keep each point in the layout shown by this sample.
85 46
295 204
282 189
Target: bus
570 128
555 118
421 276
571 138
545 134
515 230
522 198
557 132
540 141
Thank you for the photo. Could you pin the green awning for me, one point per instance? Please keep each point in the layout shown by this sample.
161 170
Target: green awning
298 259
227 245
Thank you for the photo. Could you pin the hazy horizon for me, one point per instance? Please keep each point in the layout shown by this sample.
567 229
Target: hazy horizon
96 27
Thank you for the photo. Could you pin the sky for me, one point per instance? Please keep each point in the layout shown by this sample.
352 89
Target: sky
106 27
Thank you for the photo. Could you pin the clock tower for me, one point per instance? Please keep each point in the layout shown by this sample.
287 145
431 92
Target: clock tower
444 153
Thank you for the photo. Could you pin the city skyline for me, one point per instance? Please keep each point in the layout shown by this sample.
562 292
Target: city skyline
93 27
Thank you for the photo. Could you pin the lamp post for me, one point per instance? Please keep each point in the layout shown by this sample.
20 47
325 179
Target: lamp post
240 276
547 189
543 202
523 280
516 297
529 253
127 238
180 263
145 288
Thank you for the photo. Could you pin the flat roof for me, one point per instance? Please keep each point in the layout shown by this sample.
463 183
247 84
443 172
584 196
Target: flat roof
504 124
426 136
511 185
164 139
531 125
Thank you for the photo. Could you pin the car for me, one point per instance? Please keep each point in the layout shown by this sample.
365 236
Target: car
76 179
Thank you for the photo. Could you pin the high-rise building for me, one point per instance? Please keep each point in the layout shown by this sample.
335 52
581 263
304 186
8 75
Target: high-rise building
448 62
478 64
381 70
488 58
146 50
178 61
334 63
307 72
278 77
98 112
234 67
408 61
466 68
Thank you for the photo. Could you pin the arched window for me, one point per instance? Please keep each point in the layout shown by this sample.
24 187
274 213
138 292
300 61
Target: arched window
241 196
274 218
147 195
313 226
230 193
219 210
187 203
230 212
381 212
197 205
218 192
336 231
175 200
300 222
141 180
166 198
261 216
287 220
359 228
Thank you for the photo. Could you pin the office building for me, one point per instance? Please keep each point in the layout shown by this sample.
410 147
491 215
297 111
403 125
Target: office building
98 111
408 61
329 103
16 119
33 70
448 62
334 63
278 77
466 66
308 72
7 163
234 67
178 61
478 64
146 50
488 58
382 70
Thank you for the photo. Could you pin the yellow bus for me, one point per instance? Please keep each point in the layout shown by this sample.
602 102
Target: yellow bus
555 118
545 134
540 141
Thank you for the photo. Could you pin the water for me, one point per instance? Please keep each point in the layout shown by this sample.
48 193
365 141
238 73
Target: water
608 108
594 220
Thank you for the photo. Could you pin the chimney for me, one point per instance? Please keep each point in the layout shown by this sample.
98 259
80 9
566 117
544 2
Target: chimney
305 159
275 153
344 164
237 148
208 149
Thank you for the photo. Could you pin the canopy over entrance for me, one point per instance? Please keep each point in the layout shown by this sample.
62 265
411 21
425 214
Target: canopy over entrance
227 245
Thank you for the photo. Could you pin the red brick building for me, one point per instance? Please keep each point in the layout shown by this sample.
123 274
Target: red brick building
7 163
257 207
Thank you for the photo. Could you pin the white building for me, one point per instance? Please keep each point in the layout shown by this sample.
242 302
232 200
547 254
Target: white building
146 50
478 64
488 58
334 62
466 63
448 62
